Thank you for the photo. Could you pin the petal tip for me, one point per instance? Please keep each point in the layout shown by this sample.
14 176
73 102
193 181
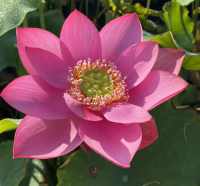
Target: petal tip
19 28
76 12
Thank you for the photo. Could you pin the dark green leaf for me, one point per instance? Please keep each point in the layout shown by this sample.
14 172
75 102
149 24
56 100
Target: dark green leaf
8 49
11 170
173 159
190 95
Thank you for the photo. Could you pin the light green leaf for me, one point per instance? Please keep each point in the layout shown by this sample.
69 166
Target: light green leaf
173 159
184 2
9 124
191 60
180 24
165 41
11 170
139 9
8 49
12 12
111 3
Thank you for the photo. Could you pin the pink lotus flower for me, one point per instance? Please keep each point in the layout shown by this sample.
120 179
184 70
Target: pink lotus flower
91 87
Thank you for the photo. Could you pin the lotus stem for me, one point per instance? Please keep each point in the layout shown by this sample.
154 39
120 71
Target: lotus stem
25 22
72 5
148 6
97 11
41 9
81 5
101 12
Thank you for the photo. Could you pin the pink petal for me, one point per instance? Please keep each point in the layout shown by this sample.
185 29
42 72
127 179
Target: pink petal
81 37
125 113
42 139
119 34
36 38
116 142
50 67
85 147
79 109
169 60
33 96
149 133
158 87
137 61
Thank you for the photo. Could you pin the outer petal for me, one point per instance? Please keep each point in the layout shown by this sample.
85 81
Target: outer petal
169 60
158 87
38 138
137 61
81 37
116 142
33 96
126 113
79 109
119 34
149 133
36 38
50 67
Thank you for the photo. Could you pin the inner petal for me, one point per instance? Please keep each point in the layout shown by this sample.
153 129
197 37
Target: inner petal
96 82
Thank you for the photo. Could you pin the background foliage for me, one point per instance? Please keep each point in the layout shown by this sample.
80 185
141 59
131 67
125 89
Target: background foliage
171 160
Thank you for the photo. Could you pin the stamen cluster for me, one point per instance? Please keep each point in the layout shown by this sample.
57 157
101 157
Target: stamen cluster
98 102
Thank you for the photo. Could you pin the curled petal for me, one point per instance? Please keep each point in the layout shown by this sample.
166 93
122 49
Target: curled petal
149 133
126 113
42 139
169 60
116 142
85 147
79 109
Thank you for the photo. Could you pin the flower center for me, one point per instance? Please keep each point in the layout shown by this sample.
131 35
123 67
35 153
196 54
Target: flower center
96 82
